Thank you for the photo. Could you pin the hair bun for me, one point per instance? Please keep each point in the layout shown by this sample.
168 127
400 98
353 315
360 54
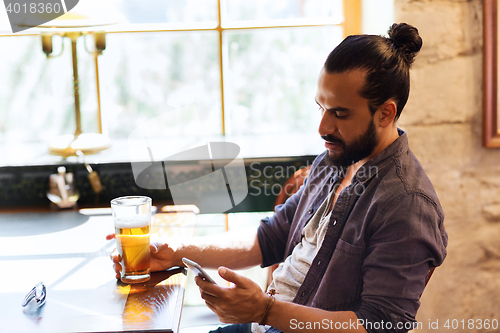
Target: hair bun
405 38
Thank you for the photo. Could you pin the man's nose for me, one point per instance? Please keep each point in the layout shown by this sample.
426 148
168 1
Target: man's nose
327 124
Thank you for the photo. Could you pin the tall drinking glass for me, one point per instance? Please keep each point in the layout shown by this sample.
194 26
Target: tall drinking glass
132 216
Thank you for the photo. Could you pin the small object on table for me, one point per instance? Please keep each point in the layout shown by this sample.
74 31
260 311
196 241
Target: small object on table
62 191
36 297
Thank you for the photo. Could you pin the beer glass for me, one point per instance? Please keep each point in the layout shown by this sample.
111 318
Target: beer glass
132 216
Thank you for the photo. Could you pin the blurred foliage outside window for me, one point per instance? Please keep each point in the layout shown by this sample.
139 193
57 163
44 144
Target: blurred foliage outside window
269 73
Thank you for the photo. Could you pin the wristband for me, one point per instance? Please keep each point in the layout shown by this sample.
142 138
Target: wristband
270 302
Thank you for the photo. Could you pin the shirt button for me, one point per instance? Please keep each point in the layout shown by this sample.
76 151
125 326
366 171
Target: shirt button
334 222
303 293
294 244
310 211
319 262
331 180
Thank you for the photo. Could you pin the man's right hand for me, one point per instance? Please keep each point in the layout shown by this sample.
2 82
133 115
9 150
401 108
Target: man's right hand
162 257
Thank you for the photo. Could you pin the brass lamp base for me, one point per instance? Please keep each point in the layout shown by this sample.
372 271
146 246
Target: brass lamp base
87 143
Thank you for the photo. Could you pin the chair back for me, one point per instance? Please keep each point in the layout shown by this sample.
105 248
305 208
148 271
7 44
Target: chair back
292 185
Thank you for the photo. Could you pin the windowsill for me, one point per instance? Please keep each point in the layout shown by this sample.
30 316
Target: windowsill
261 146
269 161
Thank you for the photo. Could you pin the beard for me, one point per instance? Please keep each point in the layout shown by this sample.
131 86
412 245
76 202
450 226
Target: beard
361 148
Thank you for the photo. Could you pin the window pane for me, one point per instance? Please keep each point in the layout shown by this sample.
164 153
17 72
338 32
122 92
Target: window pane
378 16
146 75
161 11
240 10
272 78
37 94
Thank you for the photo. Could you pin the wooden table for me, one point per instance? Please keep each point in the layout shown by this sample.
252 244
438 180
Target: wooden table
68 251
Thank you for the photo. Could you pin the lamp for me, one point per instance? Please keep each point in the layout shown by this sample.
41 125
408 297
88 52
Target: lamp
72 25
87 143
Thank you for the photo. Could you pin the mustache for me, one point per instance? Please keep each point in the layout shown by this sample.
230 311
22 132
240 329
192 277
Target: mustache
332 139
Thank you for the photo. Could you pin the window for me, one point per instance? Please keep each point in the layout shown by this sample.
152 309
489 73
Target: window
243 69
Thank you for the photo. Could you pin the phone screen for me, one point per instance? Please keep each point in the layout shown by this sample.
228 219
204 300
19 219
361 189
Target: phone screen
197 269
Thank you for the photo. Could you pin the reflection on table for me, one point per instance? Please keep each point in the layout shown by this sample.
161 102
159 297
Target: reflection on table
69 253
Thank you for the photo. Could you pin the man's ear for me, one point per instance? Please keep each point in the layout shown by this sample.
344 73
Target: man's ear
387 113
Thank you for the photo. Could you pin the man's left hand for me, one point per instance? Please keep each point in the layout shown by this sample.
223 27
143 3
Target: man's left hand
242 302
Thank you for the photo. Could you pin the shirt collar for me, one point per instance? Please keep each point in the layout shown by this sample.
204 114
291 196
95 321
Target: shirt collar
373 166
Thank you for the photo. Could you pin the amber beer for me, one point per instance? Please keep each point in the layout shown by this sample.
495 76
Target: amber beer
132 229
132 242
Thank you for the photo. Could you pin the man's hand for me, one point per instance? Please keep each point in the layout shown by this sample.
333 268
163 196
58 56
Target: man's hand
242 302
162 257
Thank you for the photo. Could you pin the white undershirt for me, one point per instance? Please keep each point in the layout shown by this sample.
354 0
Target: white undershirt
290 274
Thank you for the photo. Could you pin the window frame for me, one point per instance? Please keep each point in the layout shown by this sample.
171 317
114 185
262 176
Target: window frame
351 24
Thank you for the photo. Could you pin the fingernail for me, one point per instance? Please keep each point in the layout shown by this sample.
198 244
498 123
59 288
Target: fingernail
222 270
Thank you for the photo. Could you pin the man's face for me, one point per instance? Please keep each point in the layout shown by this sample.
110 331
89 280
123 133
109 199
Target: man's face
347 125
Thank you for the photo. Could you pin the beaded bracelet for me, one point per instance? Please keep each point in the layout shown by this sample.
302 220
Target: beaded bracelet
270 302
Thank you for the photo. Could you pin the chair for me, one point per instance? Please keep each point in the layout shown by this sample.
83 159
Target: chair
292 185
429 276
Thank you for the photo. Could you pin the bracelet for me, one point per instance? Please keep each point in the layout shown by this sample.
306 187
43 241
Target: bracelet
270 302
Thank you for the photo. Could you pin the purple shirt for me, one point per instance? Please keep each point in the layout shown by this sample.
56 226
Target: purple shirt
385 233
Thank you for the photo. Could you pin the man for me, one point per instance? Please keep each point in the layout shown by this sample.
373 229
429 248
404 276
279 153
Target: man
357 240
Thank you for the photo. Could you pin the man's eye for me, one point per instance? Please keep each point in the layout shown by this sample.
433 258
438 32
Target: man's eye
340 114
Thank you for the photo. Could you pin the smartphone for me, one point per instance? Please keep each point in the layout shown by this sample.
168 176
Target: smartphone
197 269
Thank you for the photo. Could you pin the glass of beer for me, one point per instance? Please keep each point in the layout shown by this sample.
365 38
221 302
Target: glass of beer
132 216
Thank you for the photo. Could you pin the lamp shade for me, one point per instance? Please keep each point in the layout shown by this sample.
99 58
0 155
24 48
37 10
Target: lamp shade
75 15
